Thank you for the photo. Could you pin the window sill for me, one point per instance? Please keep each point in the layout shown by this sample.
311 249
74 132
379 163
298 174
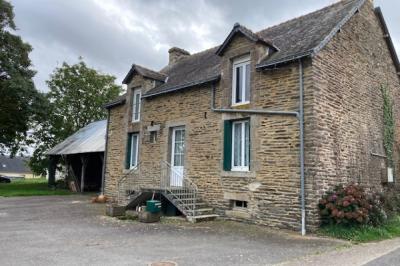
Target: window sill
240 105
244 174
136 121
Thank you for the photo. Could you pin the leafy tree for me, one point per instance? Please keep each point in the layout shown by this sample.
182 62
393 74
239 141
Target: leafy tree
19 100
76 98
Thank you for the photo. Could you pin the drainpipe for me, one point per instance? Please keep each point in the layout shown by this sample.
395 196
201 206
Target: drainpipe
301 125
299 115
105 154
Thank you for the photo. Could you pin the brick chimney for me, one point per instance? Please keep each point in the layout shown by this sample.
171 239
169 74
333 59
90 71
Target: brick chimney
176 54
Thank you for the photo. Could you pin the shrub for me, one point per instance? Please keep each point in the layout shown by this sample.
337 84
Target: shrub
351 205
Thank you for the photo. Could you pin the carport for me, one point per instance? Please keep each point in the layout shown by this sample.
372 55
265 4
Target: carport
83 156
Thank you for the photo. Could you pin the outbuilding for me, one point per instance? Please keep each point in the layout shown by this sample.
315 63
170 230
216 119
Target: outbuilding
83 157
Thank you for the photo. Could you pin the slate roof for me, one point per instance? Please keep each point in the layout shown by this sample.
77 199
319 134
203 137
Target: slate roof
297 38
292 39
193 70
91 138
302 36
117 101
145 72
14 165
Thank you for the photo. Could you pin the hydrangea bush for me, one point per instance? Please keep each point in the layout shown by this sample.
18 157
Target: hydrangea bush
351 205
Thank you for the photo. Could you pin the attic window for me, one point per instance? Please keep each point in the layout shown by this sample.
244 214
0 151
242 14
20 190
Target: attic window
241 81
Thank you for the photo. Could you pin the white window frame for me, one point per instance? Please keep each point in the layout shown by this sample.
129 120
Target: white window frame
242 167
241 62
135 163
136 93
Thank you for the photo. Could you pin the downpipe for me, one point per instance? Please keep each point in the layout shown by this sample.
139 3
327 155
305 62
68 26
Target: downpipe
300 117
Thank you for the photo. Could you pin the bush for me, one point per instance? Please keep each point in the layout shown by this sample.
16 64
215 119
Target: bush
351 205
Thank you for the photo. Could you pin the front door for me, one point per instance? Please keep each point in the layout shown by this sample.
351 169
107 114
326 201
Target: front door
177 156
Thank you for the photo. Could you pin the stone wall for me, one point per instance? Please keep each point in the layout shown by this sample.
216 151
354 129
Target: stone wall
343 125
347 112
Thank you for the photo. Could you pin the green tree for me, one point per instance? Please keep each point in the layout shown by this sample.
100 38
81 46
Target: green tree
19 100
76 98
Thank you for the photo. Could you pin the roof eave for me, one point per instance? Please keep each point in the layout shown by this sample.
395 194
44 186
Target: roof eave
388 39
183 86
237 29
286 60
113 104
134 69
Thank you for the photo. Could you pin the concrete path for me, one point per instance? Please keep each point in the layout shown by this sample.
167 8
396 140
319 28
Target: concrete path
372 254
68 230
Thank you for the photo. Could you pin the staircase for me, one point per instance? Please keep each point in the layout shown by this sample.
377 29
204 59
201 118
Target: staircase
185 197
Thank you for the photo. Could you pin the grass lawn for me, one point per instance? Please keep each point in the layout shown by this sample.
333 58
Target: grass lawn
364 233
29 187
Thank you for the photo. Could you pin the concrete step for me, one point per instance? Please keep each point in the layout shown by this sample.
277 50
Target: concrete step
199 218
202 211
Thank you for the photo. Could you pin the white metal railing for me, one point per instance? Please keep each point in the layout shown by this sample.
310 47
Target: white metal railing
179 187
175 184
128 183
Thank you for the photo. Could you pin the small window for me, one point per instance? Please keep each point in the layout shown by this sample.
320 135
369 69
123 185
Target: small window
136 101
241 81
132 150
240 145
153 136
239 204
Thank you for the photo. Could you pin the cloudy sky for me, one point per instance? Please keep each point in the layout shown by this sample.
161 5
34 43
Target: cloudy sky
112 34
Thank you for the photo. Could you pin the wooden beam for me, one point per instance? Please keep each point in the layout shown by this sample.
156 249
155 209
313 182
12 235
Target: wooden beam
83 170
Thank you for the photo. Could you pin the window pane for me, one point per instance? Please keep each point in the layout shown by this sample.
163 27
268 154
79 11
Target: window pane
237 145
246 144
239 76
134 150
137 106
247 87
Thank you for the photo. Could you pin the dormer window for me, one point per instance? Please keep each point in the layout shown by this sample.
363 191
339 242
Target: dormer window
241 81
136 101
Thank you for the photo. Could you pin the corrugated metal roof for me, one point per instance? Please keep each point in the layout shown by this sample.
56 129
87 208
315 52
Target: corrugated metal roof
91 138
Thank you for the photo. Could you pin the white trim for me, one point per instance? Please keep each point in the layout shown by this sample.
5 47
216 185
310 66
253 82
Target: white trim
131 165
176 175
242 167
136 93
241 62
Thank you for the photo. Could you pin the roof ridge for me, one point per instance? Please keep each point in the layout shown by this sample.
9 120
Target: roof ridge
307 14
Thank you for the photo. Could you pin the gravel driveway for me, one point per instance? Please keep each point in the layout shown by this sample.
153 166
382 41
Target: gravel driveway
68 230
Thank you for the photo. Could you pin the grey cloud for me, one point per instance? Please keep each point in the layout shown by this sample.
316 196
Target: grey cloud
113 34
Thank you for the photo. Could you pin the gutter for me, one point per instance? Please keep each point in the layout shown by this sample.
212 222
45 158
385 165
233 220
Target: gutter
299 115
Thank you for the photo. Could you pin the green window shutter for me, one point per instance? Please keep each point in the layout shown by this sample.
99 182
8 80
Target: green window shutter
227 145
128 152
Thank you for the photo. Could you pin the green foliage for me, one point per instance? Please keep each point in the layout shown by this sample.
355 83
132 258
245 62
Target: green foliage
19 101
76 98
351 205
363 233
389 124
29 187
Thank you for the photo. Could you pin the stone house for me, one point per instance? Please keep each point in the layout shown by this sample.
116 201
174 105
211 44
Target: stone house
261 126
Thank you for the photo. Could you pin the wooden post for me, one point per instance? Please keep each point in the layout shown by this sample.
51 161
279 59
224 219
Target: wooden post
83 170
52 170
